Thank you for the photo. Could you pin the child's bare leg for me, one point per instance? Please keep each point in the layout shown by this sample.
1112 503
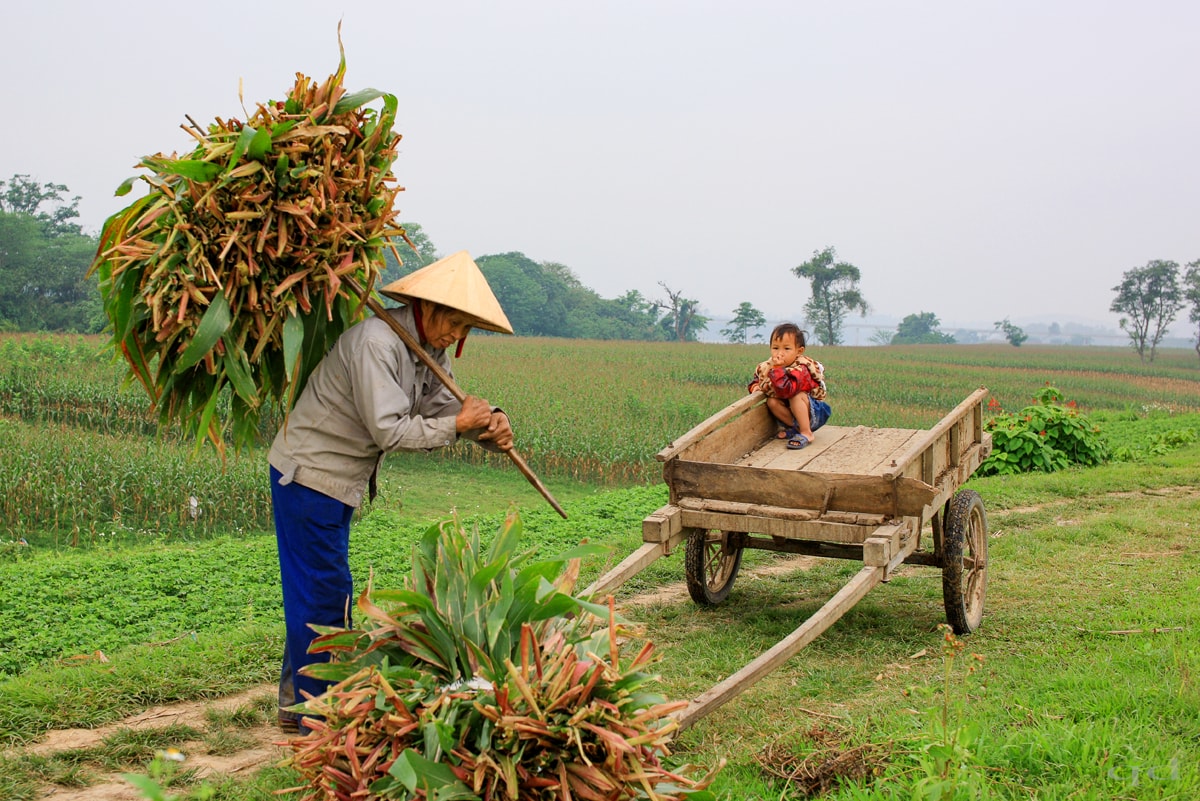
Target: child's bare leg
798 406
780 410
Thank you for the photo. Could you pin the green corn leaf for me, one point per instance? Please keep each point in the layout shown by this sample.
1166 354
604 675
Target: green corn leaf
213 326
208 423
237 370
126 186
338 641
282 170
353 100
259 145
499 614
332 671
239 149
599 610
433 779
186 168
293 341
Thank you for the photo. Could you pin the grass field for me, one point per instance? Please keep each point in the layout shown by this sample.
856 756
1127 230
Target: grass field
1087 685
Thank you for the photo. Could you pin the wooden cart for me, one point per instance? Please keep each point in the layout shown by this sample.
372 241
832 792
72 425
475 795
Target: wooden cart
855 493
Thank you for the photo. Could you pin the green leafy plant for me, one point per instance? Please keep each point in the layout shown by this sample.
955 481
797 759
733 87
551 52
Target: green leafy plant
486 678
1157 444
947 760
1048 435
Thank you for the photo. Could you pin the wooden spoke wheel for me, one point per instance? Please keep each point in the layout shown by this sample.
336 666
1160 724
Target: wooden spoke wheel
964 561
711 564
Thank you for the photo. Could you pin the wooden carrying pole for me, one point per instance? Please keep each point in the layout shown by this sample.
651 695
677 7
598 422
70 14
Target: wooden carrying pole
448 382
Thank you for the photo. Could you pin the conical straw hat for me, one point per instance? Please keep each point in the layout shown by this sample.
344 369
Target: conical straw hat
455 281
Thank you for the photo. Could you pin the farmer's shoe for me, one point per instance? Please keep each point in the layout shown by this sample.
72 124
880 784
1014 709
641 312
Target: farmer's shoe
289 725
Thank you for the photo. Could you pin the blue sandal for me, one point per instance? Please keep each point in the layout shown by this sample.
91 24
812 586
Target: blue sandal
788 432
797 442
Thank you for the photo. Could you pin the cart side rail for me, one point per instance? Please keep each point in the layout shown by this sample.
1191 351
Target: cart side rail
825 492
721 418
949 430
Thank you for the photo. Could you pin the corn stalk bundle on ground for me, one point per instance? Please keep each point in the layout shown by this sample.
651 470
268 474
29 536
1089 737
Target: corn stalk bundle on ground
229 272
484 678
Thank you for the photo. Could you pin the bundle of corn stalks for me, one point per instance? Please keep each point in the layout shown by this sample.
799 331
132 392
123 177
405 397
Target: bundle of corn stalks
486 679
230 271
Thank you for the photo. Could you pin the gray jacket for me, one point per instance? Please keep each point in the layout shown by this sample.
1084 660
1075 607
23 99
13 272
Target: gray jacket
368 396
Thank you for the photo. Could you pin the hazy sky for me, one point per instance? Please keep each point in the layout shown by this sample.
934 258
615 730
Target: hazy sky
978 160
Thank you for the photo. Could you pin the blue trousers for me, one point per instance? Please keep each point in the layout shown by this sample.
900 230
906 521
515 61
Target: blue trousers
313 533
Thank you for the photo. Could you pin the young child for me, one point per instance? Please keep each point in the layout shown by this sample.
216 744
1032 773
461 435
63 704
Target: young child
794 385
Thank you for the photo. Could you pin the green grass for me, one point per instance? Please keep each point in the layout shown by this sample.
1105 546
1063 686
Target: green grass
1068 707
1088 688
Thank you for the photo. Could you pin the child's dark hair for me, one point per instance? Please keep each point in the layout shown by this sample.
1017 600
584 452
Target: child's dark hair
789 328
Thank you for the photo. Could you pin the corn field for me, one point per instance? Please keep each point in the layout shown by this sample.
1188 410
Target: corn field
83 459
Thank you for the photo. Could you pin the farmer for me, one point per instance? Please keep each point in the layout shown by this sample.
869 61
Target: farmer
369 396
794 385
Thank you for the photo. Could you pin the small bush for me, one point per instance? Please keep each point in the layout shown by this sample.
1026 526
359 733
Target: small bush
1047 436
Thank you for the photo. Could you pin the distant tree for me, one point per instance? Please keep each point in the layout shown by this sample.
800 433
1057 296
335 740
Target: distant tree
1151 297
44 258
1012 333
21 195
835 293
410 260
745 318
517 282
1191 293
548 299
921 329
630 316
681 320
882 336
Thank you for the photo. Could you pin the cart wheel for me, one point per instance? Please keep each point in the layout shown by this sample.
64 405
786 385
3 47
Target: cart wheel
711 565
964 561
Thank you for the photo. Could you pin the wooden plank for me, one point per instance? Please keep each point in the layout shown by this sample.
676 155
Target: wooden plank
735 440
798 489
774 453
906 549
920 444
784 650
630 566
719 419
883 543
811 530
661 524
863 451
757 509
953 478
778 512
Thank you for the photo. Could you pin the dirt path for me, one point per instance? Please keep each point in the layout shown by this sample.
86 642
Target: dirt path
264 750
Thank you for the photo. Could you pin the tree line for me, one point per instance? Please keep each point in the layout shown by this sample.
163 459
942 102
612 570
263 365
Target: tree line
45 256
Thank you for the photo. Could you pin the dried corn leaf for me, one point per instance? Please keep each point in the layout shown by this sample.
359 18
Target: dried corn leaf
224 284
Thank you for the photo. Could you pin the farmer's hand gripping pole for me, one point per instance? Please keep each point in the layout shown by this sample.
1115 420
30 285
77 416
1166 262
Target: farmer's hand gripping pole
447 381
